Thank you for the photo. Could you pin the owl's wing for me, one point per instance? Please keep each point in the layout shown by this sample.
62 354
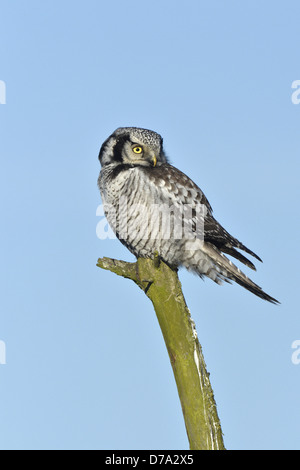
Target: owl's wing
178 188
215 234
175 188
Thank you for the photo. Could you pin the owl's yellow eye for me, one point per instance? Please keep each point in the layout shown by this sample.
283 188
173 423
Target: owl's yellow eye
137 149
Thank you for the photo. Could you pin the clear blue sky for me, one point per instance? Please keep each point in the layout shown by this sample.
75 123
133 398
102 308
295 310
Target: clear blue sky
86 366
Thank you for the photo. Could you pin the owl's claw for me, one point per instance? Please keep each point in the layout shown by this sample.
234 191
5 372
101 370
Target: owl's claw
156 260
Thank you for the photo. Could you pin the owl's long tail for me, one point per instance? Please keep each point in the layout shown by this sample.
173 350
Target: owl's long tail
230 272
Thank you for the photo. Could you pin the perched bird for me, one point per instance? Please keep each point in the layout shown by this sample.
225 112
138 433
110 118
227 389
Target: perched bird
155 209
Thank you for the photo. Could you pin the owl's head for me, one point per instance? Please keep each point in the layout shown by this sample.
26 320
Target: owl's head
134 146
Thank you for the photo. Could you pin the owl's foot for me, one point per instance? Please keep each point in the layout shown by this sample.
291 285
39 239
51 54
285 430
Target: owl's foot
156 260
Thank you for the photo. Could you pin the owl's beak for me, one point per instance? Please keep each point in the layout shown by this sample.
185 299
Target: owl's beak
154 160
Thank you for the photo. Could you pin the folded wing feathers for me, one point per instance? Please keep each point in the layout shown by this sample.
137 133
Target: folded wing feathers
233 272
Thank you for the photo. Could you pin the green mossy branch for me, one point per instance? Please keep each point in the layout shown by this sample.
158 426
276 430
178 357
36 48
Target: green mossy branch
161 284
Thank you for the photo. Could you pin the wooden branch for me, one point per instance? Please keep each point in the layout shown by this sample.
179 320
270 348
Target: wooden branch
161 284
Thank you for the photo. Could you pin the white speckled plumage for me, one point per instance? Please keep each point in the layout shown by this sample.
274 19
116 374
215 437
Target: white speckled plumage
155 208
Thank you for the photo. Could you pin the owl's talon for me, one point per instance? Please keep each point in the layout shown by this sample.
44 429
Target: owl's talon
156 260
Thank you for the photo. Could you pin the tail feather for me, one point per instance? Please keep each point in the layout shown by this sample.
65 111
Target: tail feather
255 289
230 271
235 243
236 254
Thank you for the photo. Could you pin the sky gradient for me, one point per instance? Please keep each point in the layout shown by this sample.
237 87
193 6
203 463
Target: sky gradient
86 366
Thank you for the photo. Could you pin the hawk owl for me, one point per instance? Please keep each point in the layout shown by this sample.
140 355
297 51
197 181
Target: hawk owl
155 209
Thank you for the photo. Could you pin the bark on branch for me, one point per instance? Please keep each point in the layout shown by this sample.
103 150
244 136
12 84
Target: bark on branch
161 284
